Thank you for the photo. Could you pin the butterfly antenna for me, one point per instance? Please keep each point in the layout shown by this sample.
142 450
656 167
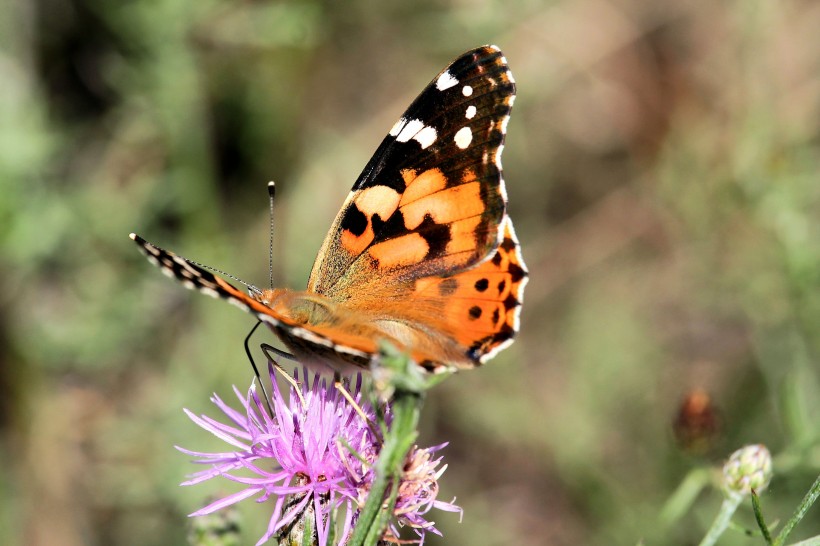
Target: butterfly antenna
271 194
255 369
251 288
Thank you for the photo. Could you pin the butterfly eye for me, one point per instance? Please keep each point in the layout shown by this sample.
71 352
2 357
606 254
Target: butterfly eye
262 296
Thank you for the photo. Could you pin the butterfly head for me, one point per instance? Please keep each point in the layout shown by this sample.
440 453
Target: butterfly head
265 297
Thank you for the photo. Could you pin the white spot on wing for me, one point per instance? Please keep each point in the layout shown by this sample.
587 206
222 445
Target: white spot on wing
426 137
467 90
397 127
350 351
498 156
463 137
239 303
471 110
495 350
209 291
261 316
446 81
504 123
412 127
502 187
307 335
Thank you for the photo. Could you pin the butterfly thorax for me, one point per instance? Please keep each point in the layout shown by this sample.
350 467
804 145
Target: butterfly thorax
299 307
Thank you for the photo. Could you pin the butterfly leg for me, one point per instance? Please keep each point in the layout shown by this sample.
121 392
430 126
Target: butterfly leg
267 349
255 369
289 378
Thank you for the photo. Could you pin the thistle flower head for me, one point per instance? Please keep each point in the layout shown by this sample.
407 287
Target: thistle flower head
314 456
418 491
748 468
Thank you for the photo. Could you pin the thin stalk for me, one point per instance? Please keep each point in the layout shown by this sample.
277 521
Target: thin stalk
804 506
389 466
761 522
727 510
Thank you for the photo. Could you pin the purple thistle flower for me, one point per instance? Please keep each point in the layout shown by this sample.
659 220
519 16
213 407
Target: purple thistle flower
300 459
417 493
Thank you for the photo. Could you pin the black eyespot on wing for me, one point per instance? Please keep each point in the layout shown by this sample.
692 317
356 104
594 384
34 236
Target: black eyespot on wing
436 235
354 220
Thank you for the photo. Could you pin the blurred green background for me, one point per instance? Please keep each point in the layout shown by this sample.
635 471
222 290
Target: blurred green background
663 167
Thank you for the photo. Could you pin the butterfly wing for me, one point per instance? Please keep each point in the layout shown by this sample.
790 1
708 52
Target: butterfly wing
478 309
422 252
431 200
455 321
197 278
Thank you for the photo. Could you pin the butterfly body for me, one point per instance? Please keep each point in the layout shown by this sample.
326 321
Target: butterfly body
422 253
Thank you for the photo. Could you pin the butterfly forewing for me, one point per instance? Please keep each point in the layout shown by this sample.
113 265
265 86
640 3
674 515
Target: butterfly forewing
431 200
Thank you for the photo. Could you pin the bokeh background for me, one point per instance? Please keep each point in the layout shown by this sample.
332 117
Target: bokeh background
663 167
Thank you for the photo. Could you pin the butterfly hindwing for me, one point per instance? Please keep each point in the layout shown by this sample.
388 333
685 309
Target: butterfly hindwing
432 198
487 302
478 308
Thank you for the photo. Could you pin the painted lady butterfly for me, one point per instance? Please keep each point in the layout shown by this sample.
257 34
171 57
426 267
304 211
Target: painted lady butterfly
422 253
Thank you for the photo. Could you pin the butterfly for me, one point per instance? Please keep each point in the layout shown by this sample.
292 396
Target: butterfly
422 253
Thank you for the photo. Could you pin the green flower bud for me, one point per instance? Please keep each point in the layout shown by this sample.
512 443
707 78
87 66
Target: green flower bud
748 468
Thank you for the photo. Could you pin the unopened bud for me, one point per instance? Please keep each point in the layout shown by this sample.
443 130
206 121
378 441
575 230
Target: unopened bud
748 468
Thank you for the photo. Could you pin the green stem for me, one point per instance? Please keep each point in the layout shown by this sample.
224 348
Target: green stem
805 504
397 443
761 522
727 510
684 496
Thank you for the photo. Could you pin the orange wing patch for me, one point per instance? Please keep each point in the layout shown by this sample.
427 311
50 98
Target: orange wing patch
445 217
402 251
445 206
429 182
480 306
